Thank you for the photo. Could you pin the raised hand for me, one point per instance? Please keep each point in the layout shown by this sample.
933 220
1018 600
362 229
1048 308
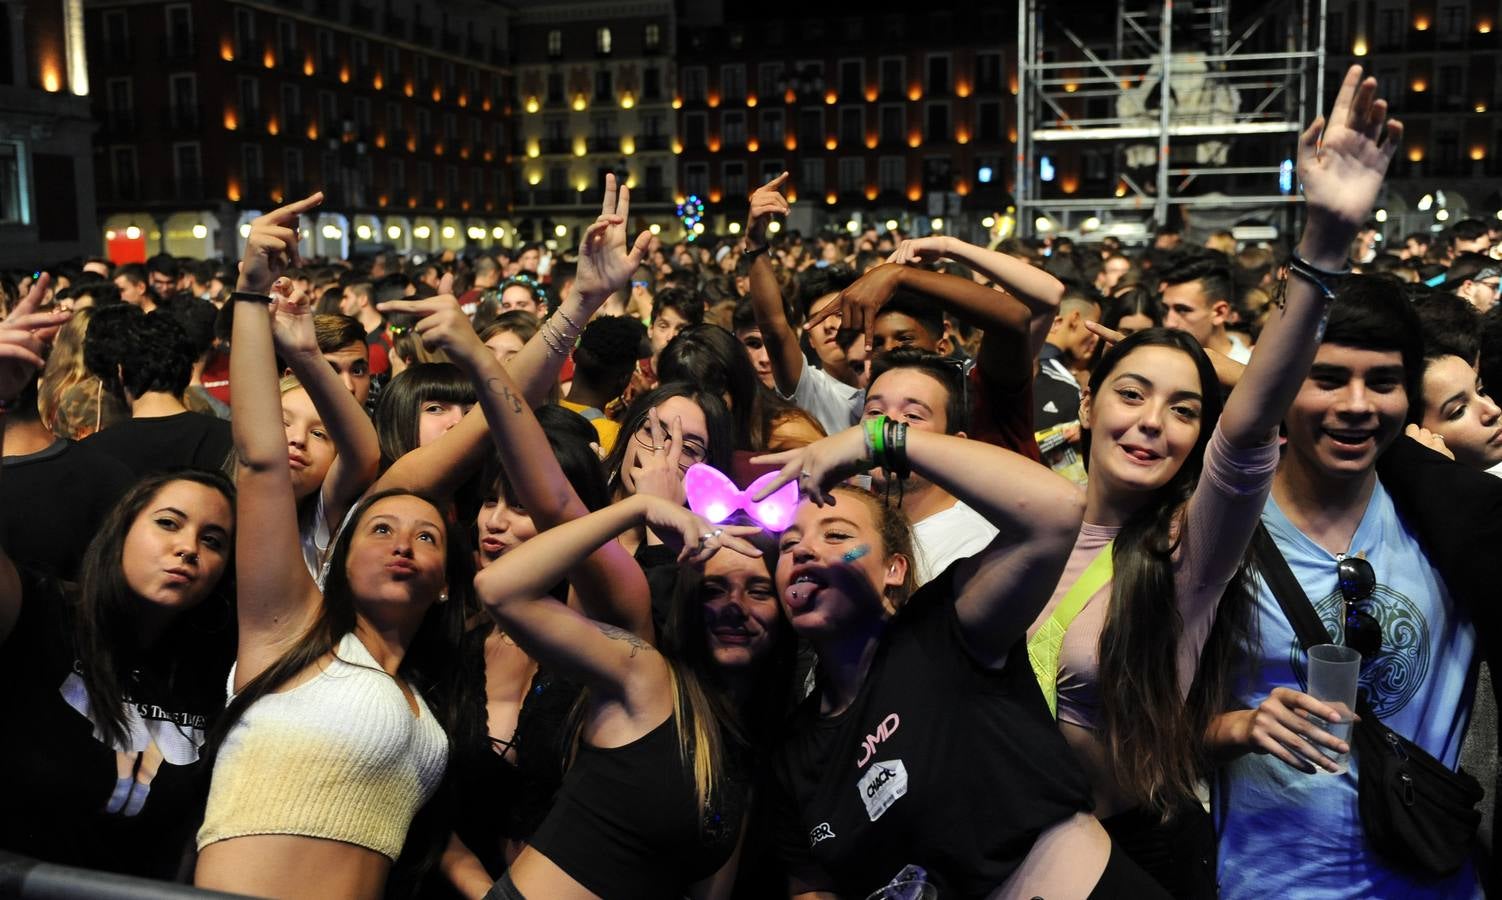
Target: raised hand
1429 439
921 251
605 263
660 474
700 538
292 328
1342 161
24 335
858 305
271 246
766 201
819 466
443 325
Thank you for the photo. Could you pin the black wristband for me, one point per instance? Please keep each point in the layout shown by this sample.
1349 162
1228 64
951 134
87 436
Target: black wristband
752 253
249 297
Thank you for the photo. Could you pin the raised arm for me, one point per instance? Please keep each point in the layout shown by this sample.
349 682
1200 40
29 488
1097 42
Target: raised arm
999 592
1341 165
777 333
609 584
514 589
606 264
24 335
1039 291
357 457
276 598
1005 320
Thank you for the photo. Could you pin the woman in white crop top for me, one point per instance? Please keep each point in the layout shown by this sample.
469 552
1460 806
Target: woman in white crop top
342 701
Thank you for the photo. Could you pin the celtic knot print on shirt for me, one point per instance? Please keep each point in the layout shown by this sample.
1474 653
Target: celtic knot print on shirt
1392 678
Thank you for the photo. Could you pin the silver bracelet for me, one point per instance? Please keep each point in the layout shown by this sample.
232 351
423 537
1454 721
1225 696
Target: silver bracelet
552 342
571 323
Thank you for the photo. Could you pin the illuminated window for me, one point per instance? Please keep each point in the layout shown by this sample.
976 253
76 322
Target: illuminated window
555 43
602 40
652 36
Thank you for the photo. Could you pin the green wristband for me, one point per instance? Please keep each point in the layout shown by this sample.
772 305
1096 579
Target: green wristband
876 441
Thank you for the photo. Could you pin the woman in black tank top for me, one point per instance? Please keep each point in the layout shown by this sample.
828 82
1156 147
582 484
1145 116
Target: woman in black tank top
656 792
927 740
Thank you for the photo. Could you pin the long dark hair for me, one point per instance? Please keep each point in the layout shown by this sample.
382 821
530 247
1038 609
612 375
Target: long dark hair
401 403
430 662
711 357
753 722
1154 739
720 432
104 606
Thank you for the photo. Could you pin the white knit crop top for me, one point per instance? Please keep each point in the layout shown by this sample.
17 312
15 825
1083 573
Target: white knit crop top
340 757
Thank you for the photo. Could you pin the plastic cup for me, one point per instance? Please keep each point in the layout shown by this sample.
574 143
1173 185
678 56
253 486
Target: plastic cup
1333 674
907 890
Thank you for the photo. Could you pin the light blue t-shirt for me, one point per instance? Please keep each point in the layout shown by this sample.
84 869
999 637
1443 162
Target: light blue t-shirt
1287 834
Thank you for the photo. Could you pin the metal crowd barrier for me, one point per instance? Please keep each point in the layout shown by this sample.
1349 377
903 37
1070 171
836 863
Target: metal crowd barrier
29 879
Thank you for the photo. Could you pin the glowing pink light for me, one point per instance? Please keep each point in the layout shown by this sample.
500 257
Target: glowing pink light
715 497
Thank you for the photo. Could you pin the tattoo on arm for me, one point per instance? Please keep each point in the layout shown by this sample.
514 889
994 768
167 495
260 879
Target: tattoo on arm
621 634
499 389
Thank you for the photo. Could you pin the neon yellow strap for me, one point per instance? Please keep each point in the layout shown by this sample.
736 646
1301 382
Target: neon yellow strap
1045 646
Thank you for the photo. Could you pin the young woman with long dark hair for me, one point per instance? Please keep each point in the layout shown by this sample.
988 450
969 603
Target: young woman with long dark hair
343 700
655 796
113 682
1176 488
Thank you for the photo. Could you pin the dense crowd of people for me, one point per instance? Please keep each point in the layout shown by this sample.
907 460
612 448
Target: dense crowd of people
774 565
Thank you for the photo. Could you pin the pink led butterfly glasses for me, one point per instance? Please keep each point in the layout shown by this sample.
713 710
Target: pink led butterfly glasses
715 497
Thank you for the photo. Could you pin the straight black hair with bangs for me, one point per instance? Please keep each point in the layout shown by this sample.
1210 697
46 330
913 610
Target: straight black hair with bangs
401 403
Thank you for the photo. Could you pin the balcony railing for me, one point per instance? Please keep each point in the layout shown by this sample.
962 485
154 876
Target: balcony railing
652 142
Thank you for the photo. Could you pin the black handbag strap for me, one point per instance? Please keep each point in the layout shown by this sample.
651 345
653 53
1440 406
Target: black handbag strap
1297 609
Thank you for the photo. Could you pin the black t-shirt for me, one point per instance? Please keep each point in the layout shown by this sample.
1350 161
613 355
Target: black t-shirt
938 762
64 801
160 443
52 501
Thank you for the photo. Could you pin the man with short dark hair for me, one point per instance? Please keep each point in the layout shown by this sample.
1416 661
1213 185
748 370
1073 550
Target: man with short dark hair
164 274
135 288
359 303
147 361
1197 291
1283 831
1470 236
604 362
1064 360
486 276
341 341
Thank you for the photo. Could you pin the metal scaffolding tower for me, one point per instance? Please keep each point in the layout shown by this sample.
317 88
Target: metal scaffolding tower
1185 107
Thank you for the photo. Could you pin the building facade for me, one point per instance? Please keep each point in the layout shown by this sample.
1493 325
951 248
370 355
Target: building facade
595 85
212 111
1439 62
889 116
46 167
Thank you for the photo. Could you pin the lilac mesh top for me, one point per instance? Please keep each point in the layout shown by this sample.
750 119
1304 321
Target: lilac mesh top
1220 519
